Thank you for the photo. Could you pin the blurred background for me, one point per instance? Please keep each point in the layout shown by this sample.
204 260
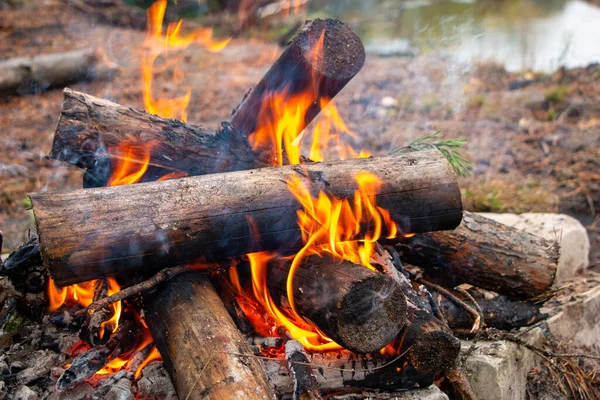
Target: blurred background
518 79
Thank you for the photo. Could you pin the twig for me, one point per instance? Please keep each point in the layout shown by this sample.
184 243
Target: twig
460 384
162 276
446 293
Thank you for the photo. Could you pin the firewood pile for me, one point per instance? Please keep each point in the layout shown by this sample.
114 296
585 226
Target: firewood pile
226 264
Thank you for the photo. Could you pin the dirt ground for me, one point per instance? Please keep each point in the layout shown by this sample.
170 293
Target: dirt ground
535 149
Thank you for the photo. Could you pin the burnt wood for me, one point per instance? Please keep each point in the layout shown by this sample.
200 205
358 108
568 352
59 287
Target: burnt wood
205 354
86 234
360 309
304 67
89 128
486 254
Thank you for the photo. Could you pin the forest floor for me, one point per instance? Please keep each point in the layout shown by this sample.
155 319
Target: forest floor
535 148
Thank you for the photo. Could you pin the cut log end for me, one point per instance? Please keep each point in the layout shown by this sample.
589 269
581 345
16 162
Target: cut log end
372 313
342 55
434 351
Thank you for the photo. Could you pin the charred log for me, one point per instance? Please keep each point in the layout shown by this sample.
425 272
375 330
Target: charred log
90 127
319 62
35 74
358 308
165 223
486 254
202 349
87 364
24 267
499 312
306 386
337 371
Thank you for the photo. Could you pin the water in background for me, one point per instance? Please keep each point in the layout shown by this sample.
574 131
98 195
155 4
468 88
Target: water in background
539 35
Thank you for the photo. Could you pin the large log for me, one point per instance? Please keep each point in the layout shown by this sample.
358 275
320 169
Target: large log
89 127
202 349
25 75
86 234
360 309
318 63
486 254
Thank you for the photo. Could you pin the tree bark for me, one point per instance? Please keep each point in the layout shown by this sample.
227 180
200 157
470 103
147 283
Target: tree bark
202 349
318 63
25 75
86 234
360 309
90 127
486 254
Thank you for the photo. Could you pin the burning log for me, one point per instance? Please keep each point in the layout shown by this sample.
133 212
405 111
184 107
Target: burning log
343 371
94 328
319 62
89 126
166 223
358 308
87 364
201 347
486 254
35 74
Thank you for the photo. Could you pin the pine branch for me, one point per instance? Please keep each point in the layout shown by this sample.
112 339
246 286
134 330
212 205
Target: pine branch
449 148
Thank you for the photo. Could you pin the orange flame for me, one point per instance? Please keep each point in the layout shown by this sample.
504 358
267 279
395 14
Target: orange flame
130 162
159 43
82 294
329 226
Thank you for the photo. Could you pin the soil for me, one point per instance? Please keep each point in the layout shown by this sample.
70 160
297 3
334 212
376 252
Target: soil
536 148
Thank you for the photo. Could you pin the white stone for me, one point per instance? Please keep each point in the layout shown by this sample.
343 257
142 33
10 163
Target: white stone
389 102
25 393
570 233
498 370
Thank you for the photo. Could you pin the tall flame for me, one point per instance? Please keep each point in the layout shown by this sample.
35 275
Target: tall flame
162 44
340 228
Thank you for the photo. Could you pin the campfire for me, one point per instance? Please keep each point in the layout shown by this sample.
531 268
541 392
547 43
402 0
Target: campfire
266 259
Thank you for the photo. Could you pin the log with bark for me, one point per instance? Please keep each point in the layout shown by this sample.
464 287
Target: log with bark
202 349
90 127
486 254
205 218
26 75
360 309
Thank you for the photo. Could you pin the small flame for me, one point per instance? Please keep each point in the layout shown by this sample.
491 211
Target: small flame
130 162
161 44
113 322
82 294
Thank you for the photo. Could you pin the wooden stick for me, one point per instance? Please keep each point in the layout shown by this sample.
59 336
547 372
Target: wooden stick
486 254
200 346
35 74
164 224
306 386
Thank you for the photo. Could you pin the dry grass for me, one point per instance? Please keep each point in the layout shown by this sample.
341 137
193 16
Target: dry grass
502 196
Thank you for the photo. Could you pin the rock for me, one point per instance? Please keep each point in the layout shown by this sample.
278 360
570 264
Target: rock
25 393
498 370
578 321
572 236
388 102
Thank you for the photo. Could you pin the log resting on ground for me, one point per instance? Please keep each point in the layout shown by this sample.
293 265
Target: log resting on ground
86 234
25 75
360 309
202 349
486 254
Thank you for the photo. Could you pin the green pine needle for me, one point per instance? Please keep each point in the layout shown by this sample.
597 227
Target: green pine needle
450 148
